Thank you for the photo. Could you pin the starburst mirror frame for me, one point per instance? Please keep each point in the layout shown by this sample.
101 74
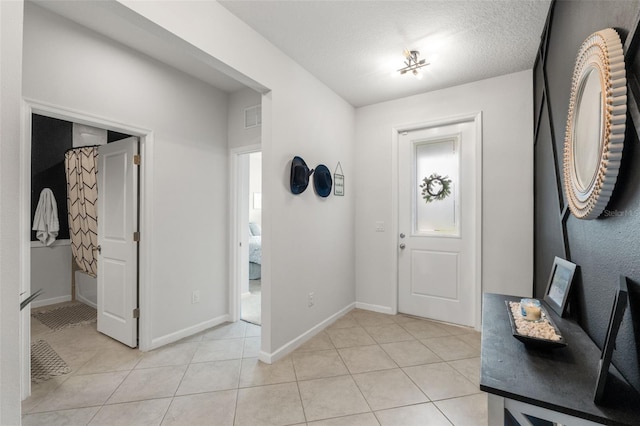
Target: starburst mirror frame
595 124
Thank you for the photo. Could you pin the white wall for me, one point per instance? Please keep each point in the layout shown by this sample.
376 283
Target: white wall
308 242
68 66
238 135
507 164
12 228
51 272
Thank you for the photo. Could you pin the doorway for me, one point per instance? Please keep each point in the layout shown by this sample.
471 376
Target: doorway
250 217
74 163
439 210
76 288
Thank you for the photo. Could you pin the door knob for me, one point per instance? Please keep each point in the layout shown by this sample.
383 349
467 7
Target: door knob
402 235
402 246
98 249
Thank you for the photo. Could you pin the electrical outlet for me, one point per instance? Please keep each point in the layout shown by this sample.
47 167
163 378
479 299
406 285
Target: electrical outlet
310 300
195 297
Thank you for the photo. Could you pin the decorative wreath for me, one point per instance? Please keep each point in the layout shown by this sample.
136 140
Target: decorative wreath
435 187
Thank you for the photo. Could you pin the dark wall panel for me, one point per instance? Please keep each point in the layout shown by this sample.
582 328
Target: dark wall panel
548 235
50 138
538 97
610 245
115 136
572 23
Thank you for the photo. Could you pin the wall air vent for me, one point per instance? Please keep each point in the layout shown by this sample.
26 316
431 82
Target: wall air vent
253 116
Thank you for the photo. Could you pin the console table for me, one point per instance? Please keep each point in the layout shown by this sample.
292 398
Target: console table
556 385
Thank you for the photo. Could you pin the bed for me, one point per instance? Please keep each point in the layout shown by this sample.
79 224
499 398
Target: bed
255 251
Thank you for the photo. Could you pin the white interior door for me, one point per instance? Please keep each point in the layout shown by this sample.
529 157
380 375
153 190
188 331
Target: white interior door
118 254
437 238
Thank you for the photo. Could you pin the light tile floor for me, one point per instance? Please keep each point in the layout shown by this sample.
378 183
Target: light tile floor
365 369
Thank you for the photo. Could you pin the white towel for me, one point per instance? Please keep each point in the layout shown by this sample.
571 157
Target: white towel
45 221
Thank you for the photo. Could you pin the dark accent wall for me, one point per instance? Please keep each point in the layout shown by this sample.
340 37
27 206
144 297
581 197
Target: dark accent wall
115 136
608 246
50 139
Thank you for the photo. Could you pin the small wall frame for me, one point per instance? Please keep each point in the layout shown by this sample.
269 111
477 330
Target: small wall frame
559 285
338 181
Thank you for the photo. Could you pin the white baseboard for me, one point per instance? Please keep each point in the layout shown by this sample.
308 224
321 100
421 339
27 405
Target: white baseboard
81 298
287 348
376 308
186 332
44 302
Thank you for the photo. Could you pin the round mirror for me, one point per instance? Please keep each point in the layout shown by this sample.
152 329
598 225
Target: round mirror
587 133
595 124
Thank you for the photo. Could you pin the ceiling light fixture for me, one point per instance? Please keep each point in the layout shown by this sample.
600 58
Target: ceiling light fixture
413 64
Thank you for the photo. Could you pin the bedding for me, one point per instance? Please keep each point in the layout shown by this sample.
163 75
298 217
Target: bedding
255 251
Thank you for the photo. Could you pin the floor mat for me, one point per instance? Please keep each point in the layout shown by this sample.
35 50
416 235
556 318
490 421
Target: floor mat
66 316
45 362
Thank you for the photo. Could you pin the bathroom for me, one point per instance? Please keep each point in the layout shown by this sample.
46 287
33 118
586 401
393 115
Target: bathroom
53 268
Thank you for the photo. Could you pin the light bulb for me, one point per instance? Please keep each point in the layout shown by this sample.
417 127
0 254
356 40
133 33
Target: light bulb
417 74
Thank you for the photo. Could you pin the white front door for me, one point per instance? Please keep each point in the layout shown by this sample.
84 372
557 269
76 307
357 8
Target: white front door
118 254
437 222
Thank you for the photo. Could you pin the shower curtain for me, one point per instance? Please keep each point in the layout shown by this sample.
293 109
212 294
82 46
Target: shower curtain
82 195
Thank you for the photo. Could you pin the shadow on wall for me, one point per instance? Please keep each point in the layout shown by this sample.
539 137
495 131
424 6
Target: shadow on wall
633 313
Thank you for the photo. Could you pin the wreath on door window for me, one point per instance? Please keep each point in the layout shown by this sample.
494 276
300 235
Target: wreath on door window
435 187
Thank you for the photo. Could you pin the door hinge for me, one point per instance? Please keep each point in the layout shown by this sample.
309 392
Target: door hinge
136 313
136 237
136 159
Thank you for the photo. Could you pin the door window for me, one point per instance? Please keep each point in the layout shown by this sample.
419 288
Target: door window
436 180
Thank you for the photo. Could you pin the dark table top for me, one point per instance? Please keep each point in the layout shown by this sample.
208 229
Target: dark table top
562 379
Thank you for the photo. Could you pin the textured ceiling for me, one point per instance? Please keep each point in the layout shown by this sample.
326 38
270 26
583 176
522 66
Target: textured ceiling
355 47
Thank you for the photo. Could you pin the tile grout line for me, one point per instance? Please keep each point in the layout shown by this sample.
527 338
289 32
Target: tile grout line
107 399
442 360
356 382
304 412
237 389
235 408
296 376
445 416
69 376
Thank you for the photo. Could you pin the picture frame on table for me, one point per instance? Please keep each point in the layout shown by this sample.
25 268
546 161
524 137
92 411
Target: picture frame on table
559 285
617 311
